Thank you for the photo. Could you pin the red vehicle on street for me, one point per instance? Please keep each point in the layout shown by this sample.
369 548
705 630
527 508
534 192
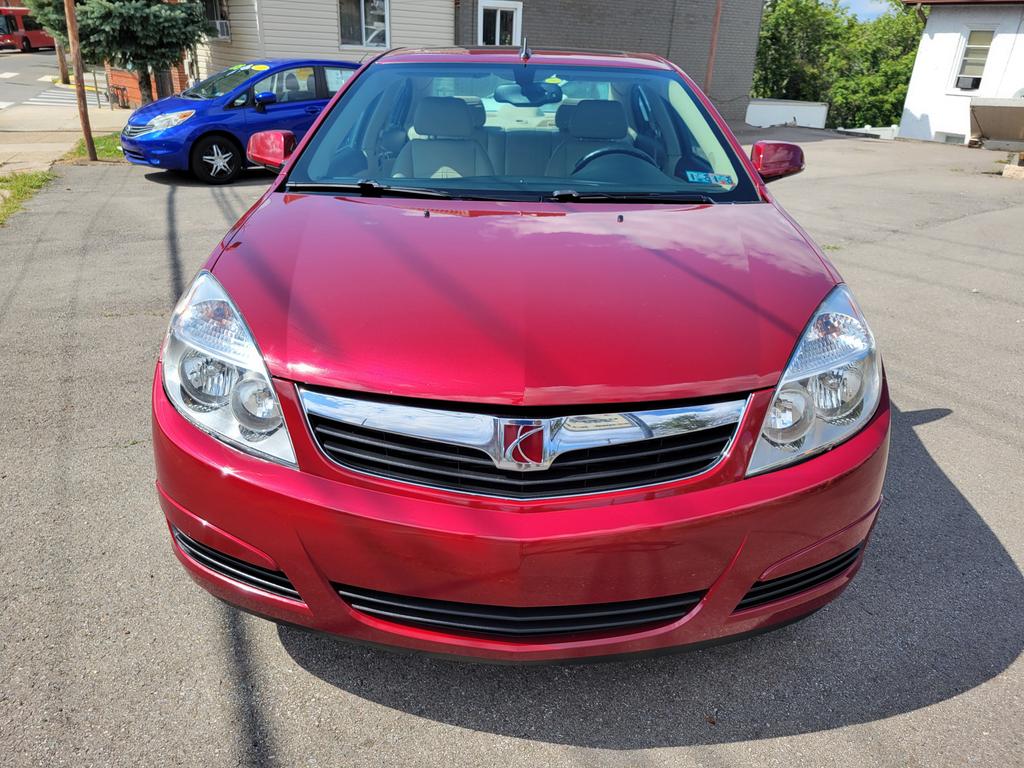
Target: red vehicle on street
19 29
519 359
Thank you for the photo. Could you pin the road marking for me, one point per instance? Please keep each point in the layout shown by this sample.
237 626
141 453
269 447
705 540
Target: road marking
5 104
8 74
55 97
45 79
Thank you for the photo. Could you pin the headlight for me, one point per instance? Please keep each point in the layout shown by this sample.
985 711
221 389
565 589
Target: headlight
169 120
829 390
215 375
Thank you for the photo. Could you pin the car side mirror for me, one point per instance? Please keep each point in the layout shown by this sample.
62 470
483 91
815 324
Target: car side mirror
776 159
271 149
263 98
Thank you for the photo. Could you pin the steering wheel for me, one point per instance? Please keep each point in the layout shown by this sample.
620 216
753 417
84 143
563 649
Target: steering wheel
631 151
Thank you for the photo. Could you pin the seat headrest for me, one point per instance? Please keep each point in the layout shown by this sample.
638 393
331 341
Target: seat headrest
563 116
477 111
291 82
443 116
597 119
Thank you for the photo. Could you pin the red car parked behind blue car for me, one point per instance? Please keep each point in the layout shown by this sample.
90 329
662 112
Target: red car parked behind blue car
205 129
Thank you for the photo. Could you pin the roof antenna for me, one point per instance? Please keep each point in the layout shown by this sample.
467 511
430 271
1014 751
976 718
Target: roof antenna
524 51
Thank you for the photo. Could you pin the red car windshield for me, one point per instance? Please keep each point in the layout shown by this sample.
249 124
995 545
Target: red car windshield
523 132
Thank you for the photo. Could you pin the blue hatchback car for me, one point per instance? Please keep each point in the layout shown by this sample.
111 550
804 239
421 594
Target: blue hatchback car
206 128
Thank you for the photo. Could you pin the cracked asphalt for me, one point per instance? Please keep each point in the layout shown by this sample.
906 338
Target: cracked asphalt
111 656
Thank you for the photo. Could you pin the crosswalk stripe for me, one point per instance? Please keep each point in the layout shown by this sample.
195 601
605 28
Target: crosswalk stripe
5 104
8 74
45 79
52 98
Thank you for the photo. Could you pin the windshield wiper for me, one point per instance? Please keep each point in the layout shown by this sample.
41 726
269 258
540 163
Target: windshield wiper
366 188
574 196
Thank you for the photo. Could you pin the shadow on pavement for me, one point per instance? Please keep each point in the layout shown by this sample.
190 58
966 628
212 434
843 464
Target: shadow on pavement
935 611
254 177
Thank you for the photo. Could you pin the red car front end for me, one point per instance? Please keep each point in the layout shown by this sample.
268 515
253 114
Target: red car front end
521 430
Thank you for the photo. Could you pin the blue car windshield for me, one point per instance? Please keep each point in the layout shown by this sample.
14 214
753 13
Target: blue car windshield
539 131
223 82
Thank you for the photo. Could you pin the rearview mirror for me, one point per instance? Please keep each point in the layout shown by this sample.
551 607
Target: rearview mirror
271 149
776 159
263 98
528 95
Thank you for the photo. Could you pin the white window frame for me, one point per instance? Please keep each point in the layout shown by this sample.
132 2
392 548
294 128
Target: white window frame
362 29
221 23
961 51
499 5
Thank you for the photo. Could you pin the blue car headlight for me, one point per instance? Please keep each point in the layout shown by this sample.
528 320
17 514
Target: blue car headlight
164 121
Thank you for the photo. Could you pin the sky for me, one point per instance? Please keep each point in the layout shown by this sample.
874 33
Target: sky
866 9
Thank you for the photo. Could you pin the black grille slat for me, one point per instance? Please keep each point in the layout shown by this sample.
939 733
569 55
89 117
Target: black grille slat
482 477
442 465
776 589
387 446
518 622
570 458
274 582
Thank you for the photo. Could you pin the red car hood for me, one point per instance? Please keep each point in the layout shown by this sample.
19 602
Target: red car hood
523 304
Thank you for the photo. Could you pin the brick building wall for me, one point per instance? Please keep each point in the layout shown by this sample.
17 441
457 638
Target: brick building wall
679 30
125 84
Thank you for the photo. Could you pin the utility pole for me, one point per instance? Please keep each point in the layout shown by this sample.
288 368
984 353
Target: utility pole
713 48
76 63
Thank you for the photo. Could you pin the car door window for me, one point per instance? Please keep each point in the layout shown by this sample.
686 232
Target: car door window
335 78
290 85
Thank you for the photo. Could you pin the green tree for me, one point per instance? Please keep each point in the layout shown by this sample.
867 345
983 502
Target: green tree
144 35
814 50
871 79
798 37
50 13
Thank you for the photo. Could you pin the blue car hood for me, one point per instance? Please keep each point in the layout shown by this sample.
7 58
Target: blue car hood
143 115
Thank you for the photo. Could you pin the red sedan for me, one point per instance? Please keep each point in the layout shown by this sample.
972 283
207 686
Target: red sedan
518 359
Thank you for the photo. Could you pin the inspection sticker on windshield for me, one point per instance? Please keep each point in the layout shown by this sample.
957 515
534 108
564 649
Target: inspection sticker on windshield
700 177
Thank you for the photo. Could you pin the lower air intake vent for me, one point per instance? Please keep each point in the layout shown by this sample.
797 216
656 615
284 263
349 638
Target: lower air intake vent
274 582
785 586
518 622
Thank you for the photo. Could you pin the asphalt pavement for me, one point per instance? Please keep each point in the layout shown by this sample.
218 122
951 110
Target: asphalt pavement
110 655
39 120
24 76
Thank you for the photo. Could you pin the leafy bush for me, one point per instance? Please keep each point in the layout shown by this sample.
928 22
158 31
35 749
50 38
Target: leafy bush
815 50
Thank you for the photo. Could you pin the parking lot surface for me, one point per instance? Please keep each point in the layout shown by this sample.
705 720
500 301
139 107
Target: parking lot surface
109 655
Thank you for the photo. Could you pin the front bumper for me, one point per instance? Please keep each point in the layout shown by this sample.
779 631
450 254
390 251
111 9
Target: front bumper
160 149
324 526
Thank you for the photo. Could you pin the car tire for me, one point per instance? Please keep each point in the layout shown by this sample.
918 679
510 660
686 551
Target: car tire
26 46
216 159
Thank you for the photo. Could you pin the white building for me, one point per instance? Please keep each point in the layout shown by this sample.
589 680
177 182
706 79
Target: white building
969 48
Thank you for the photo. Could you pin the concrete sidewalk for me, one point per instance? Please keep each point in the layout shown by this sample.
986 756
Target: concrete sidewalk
32 138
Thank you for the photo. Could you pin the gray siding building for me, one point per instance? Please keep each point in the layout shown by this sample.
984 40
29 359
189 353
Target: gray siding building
680 30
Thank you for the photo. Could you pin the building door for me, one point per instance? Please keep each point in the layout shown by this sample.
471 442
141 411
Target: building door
500 22
164 84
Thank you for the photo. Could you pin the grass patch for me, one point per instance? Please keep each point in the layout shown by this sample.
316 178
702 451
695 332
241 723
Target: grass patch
19 187
106 148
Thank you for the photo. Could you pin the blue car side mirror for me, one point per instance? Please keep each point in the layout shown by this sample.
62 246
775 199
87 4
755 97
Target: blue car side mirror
263 98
